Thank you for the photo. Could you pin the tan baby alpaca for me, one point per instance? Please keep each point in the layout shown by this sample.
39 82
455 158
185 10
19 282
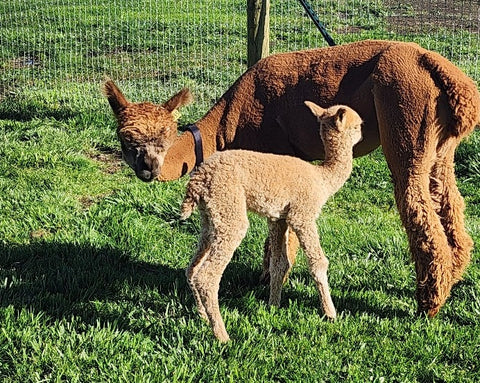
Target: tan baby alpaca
286 190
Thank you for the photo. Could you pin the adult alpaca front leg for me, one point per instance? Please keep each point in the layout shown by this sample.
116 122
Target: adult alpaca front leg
279 264
290 246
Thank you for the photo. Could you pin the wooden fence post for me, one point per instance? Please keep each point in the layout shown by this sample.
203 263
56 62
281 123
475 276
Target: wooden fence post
258 25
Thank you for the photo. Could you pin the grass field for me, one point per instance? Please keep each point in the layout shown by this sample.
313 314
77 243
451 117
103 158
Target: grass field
92 260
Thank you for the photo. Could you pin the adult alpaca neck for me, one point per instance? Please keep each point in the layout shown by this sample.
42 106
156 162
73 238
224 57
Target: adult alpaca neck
180 158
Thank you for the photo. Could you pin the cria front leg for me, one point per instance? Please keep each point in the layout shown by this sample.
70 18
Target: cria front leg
318 265
318 269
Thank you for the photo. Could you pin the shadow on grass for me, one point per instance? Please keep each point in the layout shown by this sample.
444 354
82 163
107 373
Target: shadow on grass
239 286
23 109
104 285
64 279
352 304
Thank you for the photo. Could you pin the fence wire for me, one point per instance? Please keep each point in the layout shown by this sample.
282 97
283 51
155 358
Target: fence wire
162 45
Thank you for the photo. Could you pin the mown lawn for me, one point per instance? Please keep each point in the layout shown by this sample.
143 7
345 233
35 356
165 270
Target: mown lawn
92 285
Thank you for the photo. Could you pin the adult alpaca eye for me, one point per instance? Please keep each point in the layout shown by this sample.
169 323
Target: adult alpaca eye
127 148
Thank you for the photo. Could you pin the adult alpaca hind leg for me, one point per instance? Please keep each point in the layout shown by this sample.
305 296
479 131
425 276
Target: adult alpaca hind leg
411 156
429 244
450 206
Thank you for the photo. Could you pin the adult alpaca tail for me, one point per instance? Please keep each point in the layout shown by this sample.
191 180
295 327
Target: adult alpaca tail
462 93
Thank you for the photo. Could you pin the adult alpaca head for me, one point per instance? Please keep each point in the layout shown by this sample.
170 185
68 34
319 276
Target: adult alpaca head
145 130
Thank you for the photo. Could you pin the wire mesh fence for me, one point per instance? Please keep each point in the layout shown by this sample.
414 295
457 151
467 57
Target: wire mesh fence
162 45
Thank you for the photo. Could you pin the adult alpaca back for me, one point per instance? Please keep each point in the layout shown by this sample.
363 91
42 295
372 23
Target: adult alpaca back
414 102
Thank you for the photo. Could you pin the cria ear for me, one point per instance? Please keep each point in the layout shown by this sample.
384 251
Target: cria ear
182 98
340 115
317 110
115 97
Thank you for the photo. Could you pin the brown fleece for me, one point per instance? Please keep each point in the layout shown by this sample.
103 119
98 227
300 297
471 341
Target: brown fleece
414 102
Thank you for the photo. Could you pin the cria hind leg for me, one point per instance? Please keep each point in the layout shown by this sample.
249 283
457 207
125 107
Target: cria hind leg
317 262
202 253
206 278
279 265
450 207
290 245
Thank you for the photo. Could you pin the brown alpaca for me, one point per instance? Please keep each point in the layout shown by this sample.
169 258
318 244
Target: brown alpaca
284 189
414 102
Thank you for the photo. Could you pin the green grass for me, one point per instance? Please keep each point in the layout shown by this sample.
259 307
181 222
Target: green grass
92 285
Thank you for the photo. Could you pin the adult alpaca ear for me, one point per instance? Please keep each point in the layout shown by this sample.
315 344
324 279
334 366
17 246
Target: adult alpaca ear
317 110
182 98
115 97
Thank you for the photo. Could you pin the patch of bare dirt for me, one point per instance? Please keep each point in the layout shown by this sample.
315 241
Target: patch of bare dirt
111 159
87 201
425 16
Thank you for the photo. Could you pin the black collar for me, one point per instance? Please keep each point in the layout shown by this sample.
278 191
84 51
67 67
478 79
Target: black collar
197 137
